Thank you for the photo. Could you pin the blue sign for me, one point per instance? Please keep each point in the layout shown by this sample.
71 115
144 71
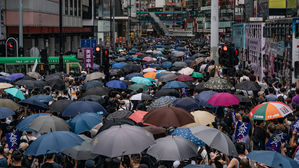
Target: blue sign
242 130
274 143
13 140
295 125
234 118
89 43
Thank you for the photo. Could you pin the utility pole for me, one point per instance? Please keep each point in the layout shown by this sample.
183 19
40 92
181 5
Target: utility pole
110 19
0 20
20 23
60 37
214 30
113 13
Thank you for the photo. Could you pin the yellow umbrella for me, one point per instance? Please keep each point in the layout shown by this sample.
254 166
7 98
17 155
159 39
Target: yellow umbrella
201 118
5 85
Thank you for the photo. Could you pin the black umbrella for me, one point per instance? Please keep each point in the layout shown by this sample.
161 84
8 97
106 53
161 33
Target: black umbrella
116 72
26 77
31 84
34 103
100 91
121 114
57 83
94 98
248 85
130 68
59 105
167 92
109 123
52 77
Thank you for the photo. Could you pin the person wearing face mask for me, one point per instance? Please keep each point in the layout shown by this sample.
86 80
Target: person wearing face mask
3 159
6 150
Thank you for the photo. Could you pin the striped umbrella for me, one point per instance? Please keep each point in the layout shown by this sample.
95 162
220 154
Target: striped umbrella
270 111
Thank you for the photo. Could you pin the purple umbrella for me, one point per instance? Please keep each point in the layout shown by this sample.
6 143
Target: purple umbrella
15 76
223 99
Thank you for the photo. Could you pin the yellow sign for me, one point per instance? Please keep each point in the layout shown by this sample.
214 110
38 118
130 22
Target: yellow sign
281 4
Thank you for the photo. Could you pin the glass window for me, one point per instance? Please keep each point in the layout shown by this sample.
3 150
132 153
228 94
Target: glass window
79 8
66 7
75 7
71 7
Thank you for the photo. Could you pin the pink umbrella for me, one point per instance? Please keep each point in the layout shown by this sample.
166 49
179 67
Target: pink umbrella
137 116
223 99
184 78
149 70
147 59
139 53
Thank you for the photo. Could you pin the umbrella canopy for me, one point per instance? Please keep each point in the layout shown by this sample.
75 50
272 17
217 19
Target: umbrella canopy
116 72
31 84
137 116
141 96
15 93
79 107
161 102
272 159
45 123
186 71
167 92
168 77
248 85
59 105
217 84
130 68
175 85
9 104
5 112
94 98
180 64
147 59
81 152
53 142
4 74
84 122
34 104
34 75
6 79
116 84
215 139
201 118
197 75
142 81
167 64
149 70
187 103
223 99
172 148
24 124
5 85
121 114
168 116
187 134
131 75
198 166
179 54
100 91
138 86
52 77
122 140
151 75
15 76
204 96
94 76
110 123
92 84
184 78
41 98
270 111
118 64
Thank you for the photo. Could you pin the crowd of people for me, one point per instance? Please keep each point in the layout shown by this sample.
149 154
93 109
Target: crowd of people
164 58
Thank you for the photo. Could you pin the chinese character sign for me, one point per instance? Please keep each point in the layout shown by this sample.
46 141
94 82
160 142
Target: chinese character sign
88 58
13 140
234 118
242 130
295 125
274 143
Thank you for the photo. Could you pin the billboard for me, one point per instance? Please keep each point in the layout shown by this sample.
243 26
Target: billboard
281 4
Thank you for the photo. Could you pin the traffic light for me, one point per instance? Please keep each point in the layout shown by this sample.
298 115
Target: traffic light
224 55
11 48
97 54
21 52
106 65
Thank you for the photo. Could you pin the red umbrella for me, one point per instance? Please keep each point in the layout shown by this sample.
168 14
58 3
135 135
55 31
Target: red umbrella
147 59
168 116
138 117
223 99
139 53
184 78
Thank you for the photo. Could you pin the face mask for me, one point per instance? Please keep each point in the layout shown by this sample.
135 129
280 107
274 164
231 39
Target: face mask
289 122
6 150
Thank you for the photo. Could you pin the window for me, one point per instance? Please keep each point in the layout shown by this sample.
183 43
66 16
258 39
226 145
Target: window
66 6
75 7
79 8
71 7
297 31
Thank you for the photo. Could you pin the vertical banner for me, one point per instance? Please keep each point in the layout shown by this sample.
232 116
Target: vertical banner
13 140
242 130
88 58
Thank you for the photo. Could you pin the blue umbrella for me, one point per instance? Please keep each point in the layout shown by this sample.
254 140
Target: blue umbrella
187 134
34 103
198 166
92 84
175 84
15 76
118 65
154 65
5 79
15 93
85 122
131 75
272 159
24 124
204 96
161 74
5 112
79 107
116 84
187 103
53 142
166 64
134 59
41 98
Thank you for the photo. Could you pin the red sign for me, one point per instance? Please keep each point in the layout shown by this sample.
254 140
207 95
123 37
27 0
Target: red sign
88 58
170 4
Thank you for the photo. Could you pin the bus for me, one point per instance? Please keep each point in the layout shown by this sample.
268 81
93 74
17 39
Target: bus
295 50
25 64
